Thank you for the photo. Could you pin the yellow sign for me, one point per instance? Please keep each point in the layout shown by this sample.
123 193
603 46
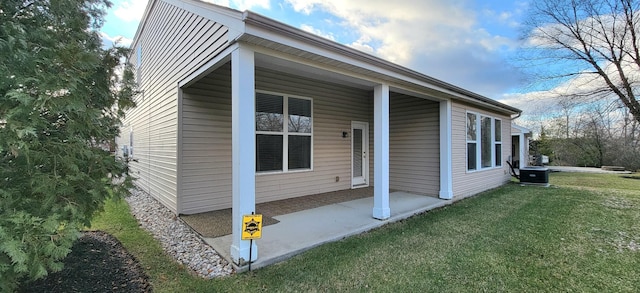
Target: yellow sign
251 227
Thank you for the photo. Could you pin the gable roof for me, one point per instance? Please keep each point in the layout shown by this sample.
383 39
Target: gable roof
520 129
260 30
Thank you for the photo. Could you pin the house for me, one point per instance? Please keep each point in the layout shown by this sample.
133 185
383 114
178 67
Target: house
236 109
520 146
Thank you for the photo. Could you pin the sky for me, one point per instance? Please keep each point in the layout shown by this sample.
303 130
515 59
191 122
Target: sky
471 44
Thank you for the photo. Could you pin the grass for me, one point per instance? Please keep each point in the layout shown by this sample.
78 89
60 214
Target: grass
581 234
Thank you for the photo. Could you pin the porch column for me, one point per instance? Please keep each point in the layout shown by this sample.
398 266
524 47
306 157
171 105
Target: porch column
523 150
381 209
446 175
243 149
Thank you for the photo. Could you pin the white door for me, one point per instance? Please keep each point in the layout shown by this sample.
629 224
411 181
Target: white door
359 154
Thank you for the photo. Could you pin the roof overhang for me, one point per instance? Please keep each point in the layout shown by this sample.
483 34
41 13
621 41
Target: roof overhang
521 130
279 45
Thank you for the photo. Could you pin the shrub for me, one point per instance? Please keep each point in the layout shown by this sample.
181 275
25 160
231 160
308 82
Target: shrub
61 101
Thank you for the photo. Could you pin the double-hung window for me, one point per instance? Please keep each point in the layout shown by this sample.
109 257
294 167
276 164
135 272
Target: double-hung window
484 142
472 141
497 125
139 64
283 133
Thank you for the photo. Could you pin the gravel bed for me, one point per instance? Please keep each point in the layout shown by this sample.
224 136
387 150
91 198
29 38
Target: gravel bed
177 239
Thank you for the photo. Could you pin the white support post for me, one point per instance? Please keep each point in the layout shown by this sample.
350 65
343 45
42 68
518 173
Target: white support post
446 175
243 149
523 151
381 209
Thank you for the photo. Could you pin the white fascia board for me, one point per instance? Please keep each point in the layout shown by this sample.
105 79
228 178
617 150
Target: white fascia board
142 24
395 87
213 64
520 128
228 17
269 29
307 62
278 38
332 54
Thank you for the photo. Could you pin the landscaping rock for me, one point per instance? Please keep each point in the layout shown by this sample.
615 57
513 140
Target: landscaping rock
177 239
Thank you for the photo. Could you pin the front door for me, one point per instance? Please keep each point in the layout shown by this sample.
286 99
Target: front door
359 154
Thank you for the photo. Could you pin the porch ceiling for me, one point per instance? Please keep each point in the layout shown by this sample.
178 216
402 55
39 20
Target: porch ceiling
296 68
343 65
296 61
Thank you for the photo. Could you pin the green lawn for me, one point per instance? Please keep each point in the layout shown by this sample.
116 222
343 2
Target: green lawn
581 234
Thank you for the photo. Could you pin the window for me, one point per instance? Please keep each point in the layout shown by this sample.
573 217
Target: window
498 142
130 155
471 141
139 64
281 147
484 142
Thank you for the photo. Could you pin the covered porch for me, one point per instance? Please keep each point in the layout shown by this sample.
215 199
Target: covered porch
303 230
366 130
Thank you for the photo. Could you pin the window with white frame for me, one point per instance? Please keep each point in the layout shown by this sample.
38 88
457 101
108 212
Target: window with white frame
283 132
472 141
130 155
484 142
497 125
139 63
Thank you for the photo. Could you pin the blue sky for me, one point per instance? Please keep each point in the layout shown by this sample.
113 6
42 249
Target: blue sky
468 43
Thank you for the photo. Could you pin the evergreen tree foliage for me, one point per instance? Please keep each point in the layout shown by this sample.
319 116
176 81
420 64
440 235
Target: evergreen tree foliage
61 100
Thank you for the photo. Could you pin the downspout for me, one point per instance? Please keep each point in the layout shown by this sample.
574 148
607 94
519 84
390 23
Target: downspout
517 116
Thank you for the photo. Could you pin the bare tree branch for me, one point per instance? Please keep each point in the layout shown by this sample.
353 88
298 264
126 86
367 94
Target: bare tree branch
598 33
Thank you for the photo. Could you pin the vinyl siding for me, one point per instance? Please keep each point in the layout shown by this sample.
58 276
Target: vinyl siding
414 146
207 139
174 43
470 183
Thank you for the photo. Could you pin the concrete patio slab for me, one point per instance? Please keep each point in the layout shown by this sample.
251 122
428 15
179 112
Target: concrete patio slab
303 230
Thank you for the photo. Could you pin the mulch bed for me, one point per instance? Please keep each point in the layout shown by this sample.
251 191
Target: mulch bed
97 263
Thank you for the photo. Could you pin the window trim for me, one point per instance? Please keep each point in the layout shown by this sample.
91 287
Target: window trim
131 143
285 134
478 142
466 119
494 142
139 64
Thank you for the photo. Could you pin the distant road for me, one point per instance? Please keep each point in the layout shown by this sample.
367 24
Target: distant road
584 170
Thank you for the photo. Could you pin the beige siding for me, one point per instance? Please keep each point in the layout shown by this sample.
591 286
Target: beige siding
207 139
414 145
469 183
334 107
174 43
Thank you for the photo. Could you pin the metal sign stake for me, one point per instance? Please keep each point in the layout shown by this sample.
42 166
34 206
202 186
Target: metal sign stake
251 229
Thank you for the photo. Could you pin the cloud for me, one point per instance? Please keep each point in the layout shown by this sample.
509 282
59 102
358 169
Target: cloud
507 18
308 28
439 38
219 2
577 95
242 4
248 4
130 10
108 41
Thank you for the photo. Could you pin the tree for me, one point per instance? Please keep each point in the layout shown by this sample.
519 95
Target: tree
61 100
593 41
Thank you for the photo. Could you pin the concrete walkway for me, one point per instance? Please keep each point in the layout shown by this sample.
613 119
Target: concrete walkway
301 231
